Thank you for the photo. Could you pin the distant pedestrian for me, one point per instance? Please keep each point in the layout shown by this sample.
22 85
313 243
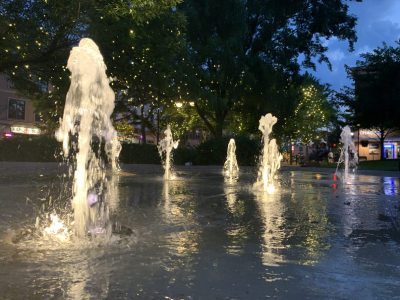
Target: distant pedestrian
330 156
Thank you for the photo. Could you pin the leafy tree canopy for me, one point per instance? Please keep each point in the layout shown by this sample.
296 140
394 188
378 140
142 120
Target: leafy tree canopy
236 47
374 100
37 37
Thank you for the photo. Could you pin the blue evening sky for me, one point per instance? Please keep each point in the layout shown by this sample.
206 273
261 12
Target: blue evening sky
378 21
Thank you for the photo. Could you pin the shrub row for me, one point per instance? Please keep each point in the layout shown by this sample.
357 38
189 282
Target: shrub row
212 152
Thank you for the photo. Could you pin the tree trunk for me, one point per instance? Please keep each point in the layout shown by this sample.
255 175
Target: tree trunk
142 125
290 152
158 120
219 128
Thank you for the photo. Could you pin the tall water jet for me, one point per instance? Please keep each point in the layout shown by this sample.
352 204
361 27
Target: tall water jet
348 155
89 105
231 168
166 145
270 159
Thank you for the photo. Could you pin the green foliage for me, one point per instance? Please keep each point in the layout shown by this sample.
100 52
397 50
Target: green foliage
181 120
214 151
141 58
41 149
139 154
35 150
183 155
239 51
304 111
374 100
37 37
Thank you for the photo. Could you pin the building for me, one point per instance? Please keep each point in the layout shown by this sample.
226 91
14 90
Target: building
368 145
17 117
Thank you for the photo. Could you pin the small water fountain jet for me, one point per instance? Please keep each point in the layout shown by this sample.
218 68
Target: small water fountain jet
348 155
231 168
270 159
166 145
88 108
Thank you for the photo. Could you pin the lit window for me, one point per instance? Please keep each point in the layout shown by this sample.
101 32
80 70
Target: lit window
16 109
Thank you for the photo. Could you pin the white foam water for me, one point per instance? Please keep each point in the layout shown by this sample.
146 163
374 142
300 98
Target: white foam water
87 115
270 159
231 168
348 155
166 145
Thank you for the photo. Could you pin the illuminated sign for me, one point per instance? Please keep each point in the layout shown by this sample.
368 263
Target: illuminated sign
8 135
369 132
24 130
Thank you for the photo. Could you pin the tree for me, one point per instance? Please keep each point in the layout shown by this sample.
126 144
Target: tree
312 112
374 100
142 60
38 36
235 46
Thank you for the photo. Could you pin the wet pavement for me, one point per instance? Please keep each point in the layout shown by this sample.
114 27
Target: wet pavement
204 237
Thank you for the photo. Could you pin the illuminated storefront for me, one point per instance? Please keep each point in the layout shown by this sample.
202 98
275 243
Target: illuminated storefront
368 145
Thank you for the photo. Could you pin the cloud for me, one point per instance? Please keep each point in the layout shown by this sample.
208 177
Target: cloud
378 22
336 55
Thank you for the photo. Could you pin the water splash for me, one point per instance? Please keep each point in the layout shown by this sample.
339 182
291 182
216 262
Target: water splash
57 229
89 105
270 159
231 168
166 145
348 155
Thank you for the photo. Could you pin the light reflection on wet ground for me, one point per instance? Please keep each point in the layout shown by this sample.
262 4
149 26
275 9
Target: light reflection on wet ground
203 237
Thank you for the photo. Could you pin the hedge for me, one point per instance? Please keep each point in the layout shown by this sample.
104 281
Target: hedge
211 152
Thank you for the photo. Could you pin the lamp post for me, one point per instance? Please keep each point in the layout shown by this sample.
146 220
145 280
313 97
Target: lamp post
358 134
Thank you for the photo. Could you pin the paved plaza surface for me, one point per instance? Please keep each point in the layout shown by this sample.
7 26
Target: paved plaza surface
202 236
21 168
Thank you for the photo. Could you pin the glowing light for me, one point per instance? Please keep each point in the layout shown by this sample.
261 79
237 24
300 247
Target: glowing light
57 229
271 189
178 104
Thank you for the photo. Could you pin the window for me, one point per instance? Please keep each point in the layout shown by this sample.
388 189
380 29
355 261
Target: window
37 118
16 109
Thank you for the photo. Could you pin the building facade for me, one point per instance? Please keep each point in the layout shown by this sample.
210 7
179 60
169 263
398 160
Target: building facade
17 117
368 145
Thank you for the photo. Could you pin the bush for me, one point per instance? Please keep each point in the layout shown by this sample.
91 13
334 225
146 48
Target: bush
139 154
211 152
184 155
43 149
214 151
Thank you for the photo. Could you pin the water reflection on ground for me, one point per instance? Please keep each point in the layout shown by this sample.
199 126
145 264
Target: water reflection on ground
206 237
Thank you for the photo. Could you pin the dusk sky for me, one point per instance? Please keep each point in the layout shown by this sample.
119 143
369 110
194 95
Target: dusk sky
378 21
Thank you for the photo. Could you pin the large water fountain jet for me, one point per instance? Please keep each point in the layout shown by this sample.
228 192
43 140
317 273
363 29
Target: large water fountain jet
166 145
348 155
270 159
89 105
231 168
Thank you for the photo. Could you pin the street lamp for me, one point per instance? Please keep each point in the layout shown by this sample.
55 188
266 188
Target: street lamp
358 134
178 104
